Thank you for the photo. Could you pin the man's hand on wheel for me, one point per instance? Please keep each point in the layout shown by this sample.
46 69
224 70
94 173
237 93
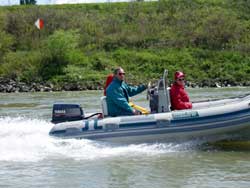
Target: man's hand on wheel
136 112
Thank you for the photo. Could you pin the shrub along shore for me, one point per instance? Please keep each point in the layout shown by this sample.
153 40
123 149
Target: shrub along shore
81 44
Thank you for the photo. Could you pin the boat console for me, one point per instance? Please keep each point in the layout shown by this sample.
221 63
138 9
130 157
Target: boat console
159 98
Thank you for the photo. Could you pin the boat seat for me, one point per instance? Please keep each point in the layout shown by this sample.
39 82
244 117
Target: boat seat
169 99
104 106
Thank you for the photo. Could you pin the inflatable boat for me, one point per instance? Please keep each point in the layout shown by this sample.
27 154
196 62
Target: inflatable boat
210 120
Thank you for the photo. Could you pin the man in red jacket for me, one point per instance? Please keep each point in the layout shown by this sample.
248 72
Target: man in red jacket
178 95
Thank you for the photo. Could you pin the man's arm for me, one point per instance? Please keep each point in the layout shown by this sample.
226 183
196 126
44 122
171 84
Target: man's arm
134 90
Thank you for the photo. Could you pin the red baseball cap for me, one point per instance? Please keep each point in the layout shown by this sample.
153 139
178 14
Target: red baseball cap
178 74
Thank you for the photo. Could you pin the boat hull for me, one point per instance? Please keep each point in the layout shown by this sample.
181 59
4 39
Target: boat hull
212 122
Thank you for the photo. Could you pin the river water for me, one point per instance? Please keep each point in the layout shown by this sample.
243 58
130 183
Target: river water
29 157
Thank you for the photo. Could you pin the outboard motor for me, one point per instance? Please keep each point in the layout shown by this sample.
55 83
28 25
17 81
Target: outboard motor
66 112
159 96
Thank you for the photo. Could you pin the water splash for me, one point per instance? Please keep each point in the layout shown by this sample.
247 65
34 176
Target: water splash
23 139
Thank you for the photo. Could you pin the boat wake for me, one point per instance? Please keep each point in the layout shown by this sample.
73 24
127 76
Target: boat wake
23 139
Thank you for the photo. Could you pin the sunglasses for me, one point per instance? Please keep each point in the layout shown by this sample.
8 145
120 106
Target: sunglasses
181 79
121 73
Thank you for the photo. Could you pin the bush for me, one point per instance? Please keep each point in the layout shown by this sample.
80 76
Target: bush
5 44
23 66
56 49
208 40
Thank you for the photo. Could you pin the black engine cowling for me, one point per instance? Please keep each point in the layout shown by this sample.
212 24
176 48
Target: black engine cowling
66 112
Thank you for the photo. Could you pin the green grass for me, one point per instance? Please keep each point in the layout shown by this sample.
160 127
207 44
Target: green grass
80 44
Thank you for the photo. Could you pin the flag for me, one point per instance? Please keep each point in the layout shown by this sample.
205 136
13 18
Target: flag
39 23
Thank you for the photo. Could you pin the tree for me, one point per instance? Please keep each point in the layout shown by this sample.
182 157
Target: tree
27 2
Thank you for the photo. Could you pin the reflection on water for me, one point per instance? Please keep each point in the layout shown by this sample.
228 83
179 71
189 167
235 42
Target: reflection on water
227 145
18 105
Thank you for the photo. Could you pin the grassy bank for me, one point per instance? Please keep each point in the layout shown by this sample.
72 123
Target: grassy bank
81 44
